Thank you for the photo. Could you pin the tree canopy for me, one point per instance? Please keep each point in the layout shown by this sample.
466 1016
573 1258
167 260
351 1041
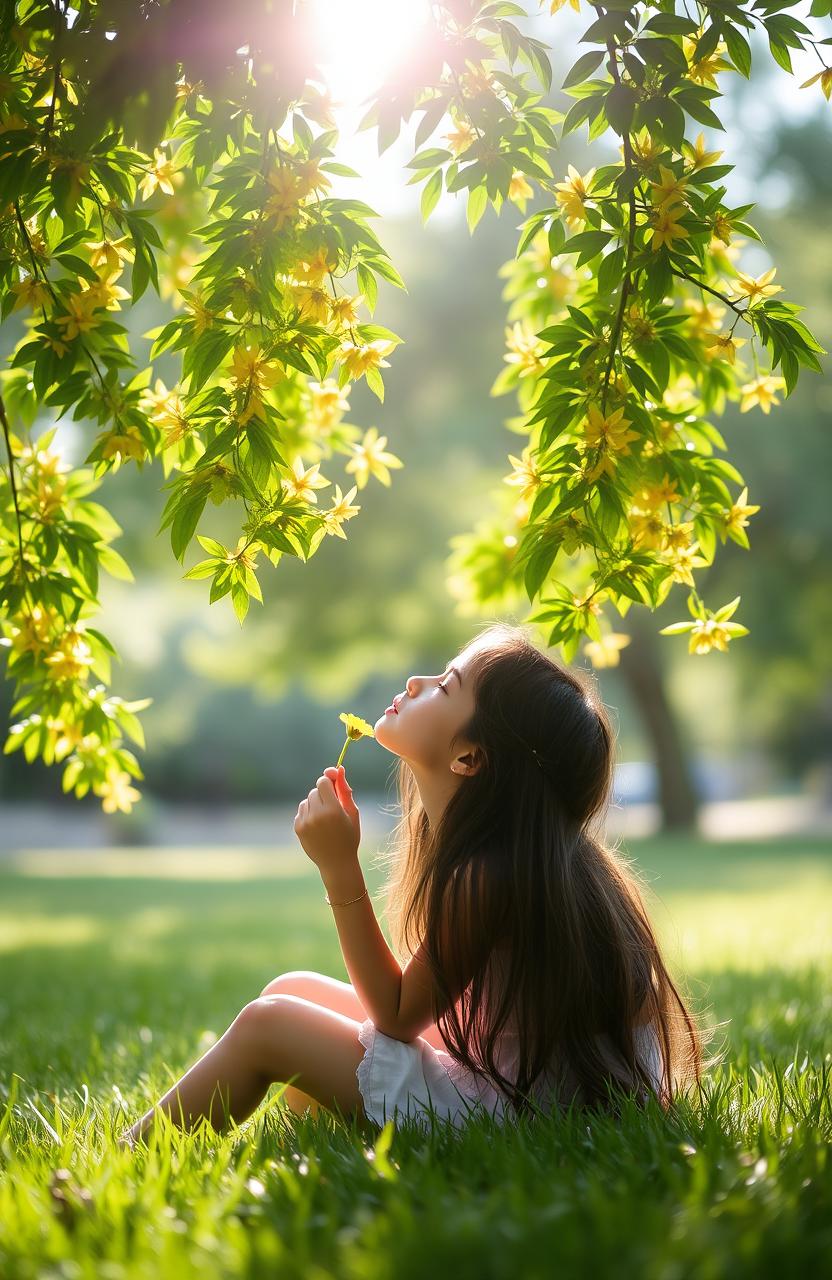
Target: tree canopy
189 146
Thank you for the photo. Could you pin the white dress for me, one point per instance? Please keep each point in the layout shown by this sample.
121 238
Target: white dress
401 1079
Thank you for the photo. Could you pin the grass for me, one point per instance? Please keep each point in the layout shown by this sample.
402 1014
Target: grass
117 969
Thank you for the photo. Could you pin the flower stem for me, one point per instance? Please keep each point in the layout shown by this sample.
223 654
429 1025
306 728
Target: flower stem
343 750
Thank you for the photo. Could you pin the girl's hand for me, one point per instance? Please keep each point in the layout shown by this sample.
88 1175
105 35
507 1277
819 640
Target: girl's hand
328 823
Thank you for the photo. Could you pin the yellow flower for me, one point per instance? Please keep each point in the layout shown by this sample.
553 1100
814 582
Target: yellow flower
652 496
684 560
572 195
369 458
461 138
203 318
310 178
339 512
31 292
705 316
284 201
645 150
669 189
762 392
705 69
344 310
313 303
302 484
356 727
313 271
525 348
519 189
329 403
34 635
708 635
79 318
737 517
72 659
555 5
358 358
524 476
666 228
606 652
127 443
116 791
111 254
722 344
611 430
106 294
160 175
747 287
701 158
251 375
165 409
648 530
825 77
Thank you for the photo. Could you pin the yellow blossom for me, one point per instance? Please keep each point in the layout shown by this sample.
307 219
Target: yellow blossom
519 189
110 254
737 517
302 483
339 512
655 495
572 195
525 348
708 635
166 410
73 657
116 791
79 317
611 430
105 294
722 344
666 227
159 175
460 138
310 178
127 443
555 5
705 69
314 304
648 530
329 403
358 358
34 635
203 317
762 392
344 310
283 202
369 458
684 560
644 148
669 189
747 287
705 316
356 728
702 158
678 536
525 476
313 271
30 292
606 652
251 375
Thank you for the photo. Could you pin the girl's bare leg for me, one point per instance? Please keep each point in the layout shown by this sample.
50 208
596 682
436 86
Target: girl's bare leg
332 994
275 1038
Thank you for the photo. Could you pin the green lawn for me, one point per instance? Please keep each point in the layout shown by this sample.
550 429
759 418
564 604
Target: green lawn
116 967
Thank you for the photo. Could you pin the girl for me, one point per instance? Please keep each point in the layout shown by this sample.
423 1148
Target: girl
533 976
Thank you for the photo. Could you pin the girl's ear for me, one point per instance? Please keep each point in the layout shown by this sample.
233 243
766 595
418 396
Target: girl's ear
468 763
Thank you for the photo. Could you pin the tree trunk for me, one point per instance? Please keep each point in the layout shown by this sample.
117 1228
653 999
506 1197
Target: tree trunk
640 666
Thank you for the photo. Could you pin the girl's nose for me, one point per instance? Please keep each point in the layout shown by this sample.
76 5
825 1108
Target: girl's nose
411 686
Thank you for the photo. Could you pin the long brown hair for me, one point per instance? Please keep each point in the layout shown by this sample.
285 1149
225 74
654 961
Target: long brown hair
520 839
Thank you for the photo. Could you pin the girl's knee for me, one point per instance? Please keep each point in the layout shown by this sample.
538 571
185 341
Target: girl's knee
289 984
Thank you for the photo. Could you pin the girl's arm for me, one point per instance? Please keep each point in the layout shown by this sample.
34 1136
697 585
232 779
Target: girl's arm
399 1002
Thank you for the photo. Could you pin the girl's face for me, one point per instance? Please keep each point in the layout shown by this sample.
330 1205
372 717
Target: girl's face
421 722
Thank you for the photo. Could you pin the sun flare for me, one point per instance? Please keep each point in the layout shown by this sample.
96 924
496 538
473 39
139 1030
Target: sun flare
361 42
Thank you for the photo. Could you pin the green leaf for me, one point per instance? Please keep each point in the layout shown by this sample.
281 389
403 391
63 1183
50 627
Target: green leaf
620 105
430 194
583 68
477 202
739 50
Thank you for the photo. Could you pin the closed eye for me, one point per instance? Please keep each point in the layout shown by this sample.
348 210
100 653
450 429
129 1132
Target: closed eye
444 690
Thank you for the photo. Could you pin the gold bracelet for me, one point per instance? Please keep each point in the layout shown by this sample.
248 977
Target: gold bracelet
349 900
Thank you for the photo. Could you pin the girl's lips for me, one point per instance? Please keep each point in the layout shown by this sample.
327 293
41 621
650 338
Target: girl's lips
391 710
